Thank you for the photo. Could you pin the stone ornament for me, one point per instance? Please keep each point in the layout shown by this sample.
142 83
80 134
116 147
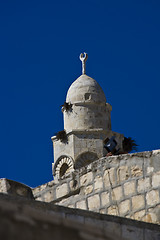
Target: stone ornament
64 165
83 57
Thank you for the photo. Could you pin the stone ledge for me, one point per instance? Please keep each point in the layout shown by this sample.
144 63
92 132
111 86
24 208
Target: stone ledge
15 188
61 211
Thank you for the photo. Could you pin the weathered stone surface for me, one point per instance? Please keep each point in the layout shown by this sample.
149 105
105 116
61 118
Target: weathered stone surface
73 185
103 211
43 221
131 233
106 180
105 199
71 206
113 210
150 170
113 227
143 184
138 202
49 196
15 188
4 185
98 183
150 217
93 202
89 189
149 235
138 215
156 180
86 179
136 171
61 190
152 197
120 187
68 200
129 188
109 177
156 210
122 173
27 219
81 205
117 193
124 207
96 223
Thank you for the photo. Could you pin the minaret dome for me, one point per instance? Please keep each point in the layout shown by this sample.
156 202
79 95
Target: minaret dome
88 101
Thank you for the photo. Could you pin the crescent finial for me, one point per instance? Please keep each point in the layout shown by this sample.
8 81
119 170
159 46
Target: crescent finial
83 57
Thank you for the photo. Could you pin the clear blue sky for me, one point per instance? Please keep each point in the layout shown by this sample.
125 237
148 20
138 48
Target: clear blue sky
40 43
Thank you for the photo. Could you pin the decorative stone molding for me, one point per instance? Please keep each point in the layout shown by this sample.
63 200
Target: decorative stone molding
63 165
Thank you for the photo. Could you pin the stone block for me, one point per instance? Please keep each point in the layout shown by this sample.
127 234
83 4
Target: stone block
143 184
4 185
98 183
138 202
88 189
138 215
86 179
102 211
136 171
84 144
81 205
129 188
117 194
152 197
151 235
131 232
112 228
39 189
71 206
94 202
124 207
109 177
62 190
105 199
150 218
113 210
122 173
154 162
48 196
156 180
73 184
106 180
150 170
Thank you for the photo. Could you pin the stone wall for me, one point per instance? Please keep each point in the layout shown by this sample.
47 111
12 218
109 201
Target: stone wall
23 219
79 143
14 188
125 185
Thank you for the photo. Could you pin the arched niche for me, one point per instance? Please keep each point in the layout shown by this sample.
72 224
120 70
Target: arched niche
63 165
84 159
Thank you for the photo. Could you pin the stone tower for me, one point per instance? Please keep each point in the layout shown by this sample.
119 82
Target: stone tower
87 123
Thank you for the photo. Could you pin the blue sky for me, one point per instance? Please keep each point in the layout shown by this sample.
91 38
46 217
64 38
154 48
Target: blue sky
40 43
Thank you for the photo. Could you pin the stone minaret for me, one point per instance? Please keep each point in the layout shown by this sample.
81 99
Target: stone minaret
87 122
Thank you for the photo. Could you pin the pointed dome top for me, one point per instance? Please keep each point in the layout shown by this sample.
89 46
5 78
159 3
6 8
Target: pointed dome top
85 89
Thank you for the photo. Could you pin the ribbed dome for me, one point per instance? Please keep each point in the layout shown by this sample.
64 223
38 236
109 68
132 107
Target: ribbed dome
85 89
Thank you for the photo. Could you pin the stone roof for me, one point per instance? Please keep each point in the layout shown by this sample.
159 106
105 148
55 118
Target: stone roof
85 89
